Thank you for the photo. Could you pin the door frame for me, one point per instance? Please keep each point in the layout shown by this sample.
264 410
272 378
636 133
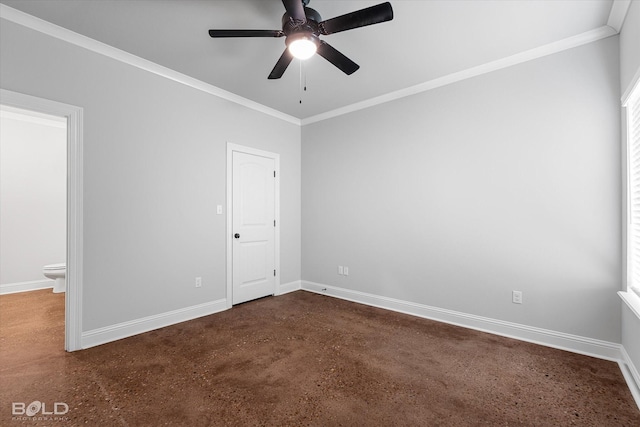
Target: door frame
73 294
231 148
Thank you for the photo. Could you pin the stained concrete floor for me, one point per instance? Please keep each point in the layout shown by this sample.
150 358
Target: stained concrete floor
299 359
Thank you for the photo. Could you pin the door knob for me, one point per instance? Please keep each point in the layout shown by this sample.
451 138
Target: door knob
237 236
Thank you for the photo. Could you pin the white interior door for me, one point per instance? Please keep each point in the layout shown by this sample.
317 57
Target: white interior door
253 227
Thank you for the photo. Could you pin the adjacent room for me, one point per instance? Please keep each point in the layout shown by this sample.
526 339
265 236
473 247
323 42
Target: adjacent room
427 219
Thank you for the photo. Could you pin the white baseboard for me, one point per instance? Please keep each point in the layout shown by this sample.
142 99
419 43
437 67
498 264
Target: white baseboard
12 288
296 285
560 340
631 375
127 329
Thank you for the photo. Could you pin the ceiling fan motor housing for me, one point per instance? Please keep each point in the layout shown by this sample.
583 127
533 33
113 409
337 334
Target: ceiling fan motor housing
295 30
290 24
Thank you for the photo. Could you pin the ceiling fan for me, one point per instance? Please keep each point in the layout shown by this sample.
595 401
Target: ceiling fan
303 26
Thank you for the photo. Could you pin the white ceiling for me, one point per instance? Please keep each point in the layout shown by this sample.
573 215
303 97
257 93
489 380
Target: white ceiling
426 40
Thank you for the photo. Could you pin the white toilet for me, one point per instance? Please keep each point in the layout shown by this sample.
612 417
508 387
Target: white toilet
57 272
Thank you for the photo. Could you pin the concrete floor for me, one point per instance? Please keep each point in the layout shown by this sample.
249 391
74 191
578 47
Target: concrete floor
297 359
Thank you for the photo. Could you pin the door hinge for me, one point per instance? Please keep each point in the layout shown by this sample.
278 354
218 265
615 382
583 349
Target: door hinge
274 174
274 272
274 222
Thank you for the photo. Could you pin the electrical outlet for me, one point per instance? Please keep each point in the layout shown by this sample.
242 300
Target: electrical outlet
198 282
340 270
346 271
517 297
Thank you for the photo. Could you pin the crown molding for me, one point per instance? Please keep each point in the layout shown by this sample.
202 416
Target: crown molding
618 13
50 29
614 23
528 55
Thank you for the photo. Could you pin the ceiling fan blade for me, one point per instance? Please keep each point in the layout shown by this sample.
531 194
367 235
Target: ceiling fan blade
360 18
336 58
245 33
295 10
281 65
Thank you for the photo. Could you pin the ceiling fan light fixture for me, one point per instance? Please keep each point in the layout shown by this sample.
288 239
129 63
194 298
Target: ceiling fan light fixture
303 47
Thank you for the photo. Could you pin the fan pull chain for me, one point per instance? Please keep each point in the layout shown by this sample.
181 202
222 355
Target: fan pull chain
303 81
300 87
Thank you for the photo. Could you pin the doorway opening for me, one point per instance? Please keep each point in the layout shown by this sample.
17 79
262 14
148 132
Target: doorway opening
71 117
33 199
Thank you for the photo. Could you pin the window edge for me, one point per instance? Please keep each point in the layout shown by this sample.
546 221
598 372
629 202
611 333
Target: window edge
632 300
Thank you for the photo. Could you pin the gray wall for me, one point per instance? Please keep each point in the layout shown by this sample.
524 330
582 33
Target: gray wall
630 45
455 197
33 197
154 170
450 198
629 66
